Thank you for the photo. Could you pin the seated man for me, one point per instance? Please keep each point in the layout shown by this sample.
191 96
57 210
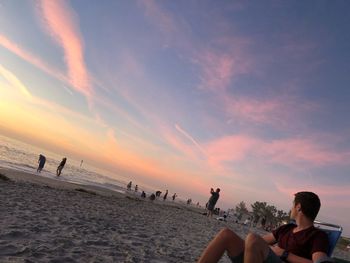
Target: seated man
295 243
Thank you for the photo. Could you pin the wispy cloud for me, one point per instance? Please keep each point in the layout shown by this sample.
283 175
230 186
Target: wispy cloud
189 137
61 23
15 82
67 89
31 58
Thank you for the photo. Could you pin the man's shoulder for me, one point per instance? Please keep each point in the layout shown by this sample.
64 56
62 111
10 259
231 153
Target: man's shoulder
287 226
318 233
283 229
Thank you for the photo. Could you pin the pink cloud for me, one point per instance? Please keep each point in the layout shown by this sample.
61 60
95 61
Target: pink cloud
161 18
294 151
217 70
62 25
229 148
220 65
289 152
32 59
281 112
253 110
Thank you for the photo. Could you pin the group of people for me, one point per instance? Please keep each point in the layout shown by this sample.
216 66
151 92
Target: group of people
42 161
153 196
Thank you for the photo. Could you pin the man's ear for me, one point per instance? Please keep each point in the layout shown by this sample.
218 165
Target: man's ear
298 207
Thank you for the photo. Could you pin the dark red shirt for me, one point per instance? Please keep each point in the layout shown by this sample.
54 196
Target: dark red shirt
302 243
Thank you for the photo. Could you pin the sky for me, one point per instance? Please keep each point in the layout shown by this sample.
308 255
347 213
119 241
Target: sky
248 96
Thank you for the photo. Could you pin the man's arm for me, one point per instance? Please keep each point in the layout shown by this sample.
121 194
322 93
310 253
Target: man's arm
321 256
269 238
292 258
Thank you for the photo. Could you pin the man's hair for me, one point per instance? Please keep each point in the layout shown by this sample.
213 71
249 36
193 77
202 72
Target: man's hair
310 204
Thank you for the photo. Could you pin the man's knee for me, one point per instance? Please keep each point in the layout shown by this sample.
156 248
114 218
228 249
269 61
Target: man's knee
251 239
227 234
256 243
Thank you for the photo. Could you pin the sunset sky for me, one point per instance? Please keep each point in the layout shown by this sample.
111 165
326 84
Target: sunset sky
249 96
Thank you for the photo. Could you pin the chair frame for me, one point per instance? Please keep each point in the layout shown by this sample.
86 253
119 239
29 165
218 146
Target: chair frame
335 228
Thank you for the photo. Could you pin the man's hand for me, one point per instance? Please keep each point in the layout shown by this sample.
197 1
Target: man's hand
277 250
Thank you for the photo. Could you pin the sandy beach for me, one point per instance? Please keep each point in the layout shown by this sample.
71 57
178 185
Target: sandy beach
45 220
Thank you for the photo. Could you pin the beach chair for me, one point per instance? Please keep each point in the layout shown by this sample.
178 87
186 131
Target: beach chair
333 232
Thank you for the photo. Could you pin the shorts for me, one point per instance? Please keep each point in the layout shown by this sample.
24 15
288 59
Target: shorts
271 258
211 207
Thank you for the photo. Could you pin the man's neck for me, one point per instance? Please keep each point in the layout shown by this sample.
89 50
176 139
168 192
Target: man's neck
302 223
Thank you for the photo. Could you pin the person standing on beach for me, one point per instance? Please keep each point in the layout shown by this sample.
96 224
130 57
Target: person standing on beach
143 194
60 167
165 195
41 161
212 201
136 188
174 196
129 185
81 163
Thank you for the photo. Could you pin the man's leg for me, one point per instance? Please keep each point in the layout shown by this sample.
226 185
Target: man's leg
256 249
226 240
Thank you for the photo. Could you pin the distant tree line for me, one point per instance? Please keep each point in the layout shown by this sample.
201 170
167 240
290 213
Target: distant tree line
262 211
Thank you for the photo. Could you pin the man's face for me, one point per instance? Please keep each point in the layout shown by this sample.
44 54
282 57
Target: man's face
293 211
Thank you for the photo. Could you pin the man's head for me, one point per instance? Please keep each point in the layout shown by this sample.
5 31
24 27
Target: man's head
308 203
217 190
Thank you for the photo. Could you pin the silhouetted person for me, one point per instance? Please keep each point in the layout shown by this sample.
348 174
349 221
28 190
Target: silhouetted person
60 167
212 201
174 196
136 188
158 193
41 161
166 195
81 163
152 197
143 194
129 185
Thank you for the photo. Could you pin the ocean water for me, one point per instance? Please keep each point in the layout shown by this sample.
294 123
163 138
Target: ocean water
24 157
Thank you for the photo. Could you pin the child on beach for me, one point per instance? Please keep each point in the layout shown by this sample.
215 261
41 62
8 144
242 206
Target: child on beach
300 242
60 167
41 161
